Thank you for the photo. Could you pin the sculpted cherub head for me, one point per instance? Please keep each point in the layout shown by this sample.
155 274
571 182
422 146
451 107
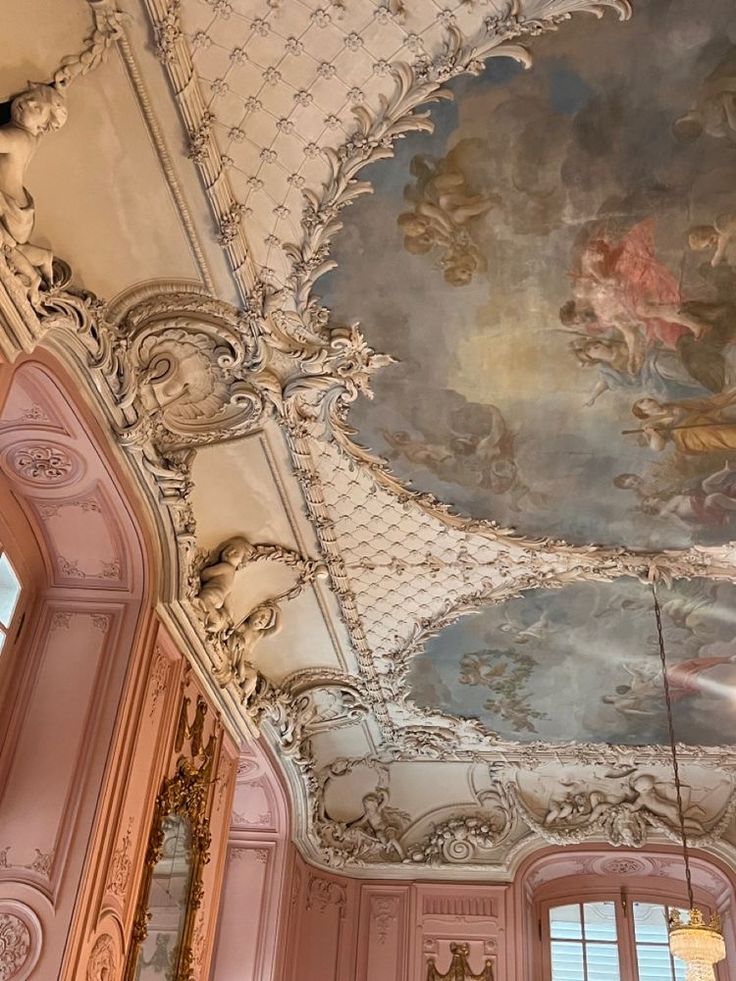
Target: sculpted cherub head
236 551
264 619
40 109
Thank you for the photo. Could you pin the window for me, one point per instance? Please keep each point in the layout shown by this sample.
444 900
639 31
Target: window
596 941
9 594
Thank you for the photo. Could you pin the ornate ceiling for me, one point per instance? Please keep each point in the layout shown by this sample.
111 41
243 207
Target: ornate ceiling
443 690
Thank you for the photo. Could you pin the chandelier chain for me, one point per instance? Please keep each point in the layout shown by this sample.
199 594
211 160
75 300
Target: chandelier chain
673 748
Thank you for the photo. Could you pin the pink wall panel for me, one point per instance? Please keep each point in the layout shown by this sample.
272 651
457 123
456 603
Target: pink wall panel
446 914
384 934
242 912
55 722
253 910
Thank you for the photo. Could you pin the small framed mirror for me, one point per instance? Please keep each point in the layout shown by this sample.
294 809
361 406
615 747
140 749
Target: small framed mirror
171 890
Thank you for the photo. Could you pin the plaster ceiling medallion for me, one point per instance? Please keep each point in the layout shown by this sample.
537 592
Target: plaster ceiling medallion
43 464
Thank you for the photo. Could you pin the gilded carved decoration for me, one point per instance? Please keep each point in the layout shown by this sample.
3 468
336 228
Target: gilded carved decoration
459 969
185 795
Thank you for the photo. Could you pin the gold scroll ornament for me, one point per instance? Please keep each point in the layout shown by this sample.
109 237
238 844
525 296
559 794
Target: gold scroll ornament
459 969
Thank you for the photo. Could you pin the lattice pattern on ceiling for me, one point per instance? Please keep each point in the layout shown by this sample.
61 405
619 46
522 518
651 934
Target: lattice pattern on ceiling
281 79
407 567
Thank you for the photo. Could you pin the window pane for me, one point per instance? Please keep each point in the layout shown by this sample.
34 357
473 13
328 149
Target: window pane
600 921
2 638
602 962
650 923
654 963
9 590
564 922
567 962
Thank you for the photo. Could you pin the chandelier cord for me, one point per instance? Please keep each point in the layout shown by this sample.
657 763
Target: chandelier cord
673 749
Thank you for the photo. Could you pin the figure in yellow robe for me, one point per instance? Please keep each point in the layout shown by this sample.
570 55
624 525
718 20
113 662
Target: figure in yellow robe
693 426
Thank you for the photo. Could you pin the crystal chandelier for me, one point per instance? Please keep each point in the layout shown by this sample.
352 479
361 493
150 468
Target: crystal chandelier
698 942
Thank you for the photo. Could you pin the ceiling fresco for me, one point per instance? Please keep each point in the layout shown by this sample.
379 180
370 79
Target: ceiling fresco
553 269
582 664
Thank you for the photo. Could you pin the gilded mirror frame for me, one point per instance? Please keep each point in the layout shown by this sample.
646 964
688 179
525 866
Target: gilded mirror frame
185 795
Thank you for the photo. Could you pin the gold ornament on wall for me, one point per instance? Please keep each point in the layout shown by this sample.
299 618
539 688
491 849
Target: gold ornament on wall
178 848
459 969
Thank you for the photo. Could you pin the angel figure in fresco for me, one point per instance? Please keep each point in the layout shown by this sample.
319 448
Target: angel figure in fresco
695 367
718 236
694 609
39 110
621 289
217 581
661 373
643 695
714 111
523 634
479 447
442 216
711 502
692 427
430 455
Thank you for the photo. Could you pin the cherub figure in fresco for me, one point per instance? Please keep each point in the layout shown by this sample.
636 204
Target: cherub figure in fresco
430 455
622 288
717 236
479 447
694 609
643 695
442 217
39 110
692 427
217 581
536 631
714 111
711 503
